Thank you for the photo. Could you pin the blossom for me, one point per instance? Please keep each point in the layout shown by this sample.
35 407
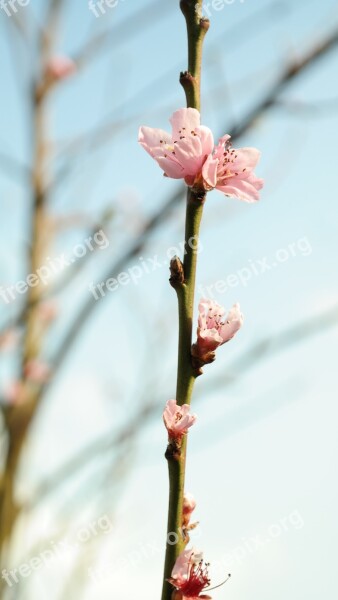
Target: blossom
188 153
189 505
177 419
231 171
59 67
182 154
190 575
214 329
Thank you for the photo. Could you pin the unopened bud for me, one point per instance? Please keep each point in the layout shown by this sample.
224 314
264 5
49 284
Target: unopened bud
176 271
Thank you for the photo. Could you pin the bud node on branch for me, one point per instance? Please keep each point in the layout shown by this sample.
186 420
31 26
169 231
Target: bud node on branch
176 272
173 451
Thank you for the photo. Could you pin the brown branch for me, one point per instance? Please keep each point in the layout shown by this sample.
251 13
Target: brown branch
18 417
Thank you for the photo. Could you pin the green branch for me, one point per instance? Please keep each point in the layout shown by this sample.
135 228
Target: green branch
185 289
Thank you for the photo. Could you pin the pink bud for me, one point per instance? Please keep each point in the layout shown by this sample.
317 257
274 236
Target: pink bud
189 503
59 67
177 419
214 329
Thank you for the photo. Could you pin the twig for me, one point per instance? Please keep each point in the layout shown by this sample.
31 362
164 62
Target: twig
191 82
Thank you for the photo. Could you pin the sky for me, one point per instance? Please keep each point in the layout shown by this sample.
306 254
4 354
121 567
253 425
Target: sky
262 457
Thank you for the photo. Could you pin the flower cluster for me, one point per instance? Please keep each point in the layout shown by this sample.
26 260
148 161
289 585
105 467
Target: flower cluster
189 153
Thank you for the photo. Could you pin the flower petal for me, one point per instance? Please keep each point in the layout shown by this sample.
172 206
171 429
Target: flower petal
184 119
243 189
150 139
209 171
233 323
207 139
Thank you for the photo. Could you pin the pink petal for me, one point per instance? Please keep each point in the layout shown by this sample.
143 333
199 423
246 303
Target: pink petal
233 323
184 118
189 154
182 565
170 167
247 158
244 189
223 140
207 139
209 171
150 139
189 503
209 339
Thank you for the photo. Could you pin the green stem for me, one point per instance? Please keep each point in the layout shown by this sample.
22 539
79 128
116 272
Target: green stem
176 456
185 382
185 295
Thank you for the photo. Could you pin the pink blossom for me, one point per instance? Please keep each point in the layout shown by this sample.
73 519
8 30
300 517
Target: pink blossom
36 371
214 329
182 154
189 154
189 503
190 575
177 419
59 67
231 171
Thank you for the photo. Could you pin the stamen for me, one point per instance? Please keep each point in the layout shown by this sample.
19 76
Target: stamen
219 585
